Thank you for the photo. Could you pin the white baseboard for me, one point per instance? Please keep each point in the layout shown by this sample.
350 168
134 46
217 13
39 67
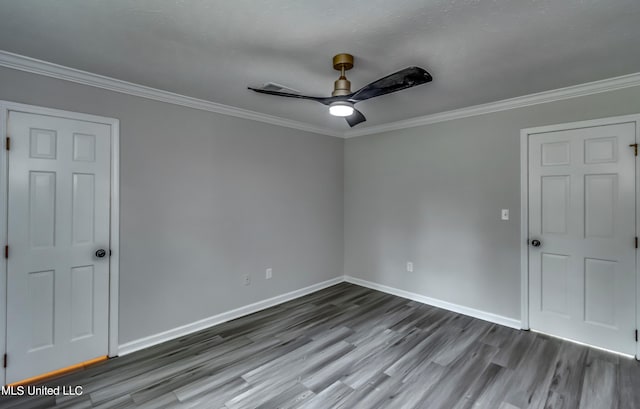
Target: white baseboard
483 315
174 333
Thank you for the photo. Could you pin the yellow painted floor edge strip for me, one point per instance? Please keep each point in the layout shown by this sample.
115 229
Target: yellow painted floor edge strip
62 371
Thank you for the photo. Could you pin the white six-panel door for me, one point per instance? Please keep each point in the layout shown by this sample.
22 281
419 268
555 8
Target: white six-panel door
58 217
582 276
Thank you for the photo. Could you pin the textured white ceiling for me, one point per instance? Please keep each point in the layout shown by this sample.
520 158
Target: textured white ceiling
477 50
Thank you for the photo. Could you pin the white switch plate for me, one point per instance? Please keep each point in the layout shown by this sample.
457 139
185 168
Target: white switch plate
268 273
246 279
505 214
409 267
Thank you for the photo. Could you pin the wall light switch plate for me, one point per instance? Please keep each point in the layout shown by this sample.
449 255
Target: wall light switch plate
409 267
268 273
505 214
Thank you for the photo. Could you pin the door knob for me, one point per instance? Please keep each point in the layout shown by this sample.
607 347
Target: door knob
535 243
101 253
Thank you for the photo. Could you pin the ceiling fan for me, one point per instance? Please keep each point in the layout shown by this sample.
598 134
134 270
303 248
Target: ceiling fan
342 100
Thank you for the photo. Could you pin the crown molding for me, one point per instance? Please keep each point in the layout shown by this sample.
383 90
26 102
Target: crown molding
589 88
35 66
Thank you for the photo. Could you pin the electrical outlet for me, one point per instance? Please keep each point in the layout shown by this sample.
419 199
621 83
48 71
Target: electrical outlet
268 273
409 267
247 279
505 214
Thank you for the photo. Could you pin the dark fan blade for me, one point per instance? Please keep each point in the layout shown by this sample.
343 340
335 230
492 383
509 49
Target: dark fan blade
289 95
407 78
355 118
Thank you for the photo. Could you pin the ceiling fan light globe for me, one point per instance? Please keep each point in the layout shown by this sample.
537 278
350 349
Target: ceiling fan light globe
341 108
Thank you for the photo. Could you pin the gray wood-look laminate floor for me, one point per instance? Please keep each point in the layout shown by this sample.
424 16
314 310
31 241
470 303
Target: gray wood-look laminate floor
354 348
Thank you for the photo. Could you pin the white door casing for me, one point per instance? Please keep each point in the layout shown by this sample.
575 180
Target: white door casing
61 194
581 198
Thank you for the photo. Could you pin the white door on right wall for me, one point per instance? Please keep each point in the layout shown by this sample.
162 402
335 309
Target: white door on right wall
582 267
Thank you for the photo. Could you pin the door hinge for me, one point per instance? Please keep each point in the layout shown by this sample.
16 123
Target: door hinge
8 143
636 241
635 148
6 251
636 339
4 361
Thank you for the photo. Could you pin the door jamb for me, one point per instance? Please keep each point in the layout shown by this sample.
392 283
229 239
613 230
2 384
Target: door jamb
524 205
114 228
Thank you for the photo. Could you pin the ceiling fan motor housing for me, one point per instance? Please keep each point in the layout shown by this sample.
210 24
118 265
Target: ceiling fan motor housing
342 63
342 86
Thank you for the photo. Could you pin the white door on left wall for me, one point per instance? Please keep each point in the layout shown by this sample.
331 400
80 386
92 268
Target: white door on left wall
58 223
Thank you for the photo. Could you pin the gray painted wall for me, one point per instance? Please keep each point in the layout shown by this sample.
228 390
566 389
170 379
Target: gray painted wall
205 199
432 195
